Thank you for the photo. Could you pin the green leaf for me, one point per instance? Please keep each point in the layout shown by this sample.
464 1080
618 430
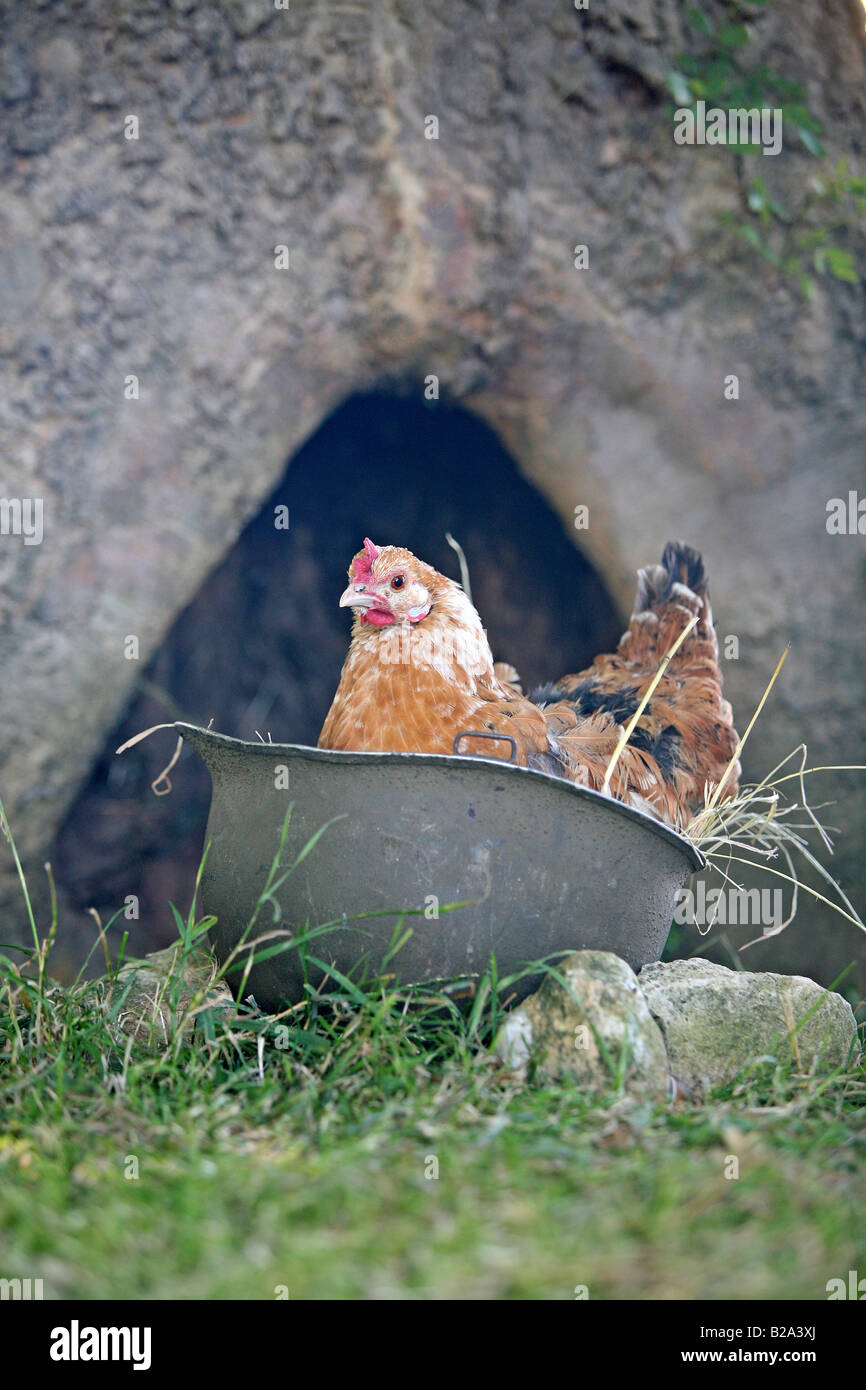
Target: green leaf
734 36
679 88
814 236
810 140
179 923
798 115
717 76
807 285
314 839
266 952
698 20
204 1023
752 236
333 973
784 87
841 265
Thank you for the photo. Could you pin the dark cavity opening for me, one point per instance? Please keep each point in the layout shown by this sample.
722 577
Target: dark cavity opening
261 645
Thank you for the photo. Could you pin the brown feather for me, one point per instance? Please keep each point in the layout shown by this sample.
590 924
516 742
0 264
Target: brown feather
414 683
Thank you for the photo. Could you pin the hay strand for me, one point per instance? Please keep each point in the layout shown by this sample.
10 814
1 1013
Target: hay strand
630 726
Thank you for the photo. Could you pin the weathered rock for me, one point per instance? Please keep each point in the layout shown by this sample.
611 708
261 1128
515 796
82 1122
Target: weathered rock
600 1033
715 1020
262 127
159 991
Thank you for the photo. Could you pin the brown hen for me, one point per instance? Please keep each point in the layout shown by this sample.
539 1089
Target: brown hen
420 671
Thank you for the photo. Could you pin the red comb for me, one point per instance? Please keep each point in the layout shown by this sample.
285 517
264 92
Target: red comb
363 565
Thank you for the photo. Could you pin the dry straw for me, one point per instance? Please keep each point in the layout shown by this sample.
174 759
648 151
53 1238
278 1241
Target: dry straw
762 822
759 821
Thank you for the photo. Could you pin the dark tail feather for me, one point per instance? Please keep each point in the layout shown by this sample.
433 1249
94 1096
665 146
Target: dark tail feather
681 564
685 566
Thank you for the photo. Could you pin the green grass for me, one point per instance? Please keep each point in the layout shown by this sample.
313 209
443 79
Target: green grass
237 1160
307 1169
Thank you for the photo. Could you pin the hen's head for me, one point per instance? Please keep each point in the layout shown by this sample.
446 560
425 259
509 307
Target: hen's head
388 585
394 594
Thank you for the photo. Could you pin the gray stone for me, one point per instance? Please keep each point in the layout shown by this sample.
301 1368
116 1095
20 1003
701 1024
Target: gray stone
599 1032
715 1020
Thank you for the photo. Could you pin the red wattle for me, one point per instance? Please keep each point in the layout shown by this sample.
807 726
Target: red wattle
372 615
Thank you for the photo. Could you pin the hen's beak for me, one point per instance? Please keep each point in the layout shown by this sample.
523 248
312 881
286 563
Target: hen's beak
354 597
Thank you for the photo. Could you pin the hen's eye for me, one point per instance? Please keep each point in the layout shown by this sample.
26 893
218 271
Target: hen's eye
398 581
